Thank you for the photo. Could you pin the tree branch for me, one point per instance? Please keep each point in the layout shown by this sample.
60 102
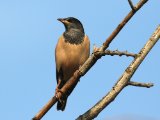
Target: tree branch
131 5
123 80
121 25
115 52
71 83
138 84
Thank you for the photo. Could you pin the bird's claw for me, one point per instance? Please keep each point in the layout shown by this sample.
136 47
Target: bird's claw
57 91
59 95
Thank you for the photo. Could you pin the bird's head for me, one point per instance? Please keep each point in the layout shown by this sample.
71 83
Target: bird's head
71 23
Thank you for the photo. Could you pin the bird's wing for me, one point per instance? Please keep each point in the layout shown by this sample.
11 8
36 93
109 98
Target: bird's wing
59 59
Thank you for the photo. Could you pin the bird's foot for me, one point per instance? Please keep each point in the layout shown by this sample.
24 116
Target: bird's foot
57 91
59 95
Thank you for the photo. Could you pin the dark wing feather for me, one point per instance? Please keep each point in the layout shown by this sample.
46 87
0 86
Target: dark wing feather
59 77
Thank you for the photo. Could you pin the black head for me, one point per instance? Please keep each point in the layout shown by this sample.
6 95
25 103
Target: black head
71 23
74 33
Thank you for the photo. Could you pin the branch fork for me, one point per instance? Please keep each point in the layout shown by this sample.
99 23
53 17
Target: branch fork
131 5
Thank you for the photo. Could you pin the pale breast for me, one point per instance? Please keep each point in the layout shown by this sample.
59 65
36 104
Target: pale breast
70 56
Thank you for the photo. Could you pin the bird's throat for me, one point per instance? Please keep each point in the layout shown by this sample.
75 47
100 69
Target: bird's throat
74 36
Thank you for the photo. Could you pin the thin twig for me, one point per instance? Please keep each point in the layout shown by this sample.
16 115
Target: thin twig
131 5
121 25
138 84
115 52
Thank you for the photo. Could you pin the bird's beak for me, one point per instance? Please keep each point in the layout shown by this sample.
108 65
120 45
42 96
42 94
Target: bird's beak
60 19
64 21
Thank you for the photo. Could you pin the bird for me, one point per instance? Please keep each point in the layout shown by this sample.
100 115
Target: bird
72 50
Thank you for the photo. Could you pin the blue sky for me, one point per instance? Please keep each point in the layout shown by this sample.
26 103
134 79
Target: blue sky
29 31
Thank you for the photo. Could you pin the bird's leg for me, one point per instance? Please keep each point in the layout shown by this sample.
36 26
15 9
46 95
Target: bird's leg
58 92
58 89
60 96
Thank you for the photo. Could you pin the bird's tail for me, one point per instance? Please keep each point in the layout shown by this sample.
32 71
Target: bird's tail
61 104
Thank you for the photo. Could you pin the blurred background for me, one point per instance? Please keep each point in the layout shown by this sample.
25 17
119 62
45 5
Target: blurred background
29 31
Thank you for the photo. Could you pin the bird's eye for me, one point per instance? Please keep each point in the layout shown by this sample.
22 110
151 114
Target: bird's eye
69 20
